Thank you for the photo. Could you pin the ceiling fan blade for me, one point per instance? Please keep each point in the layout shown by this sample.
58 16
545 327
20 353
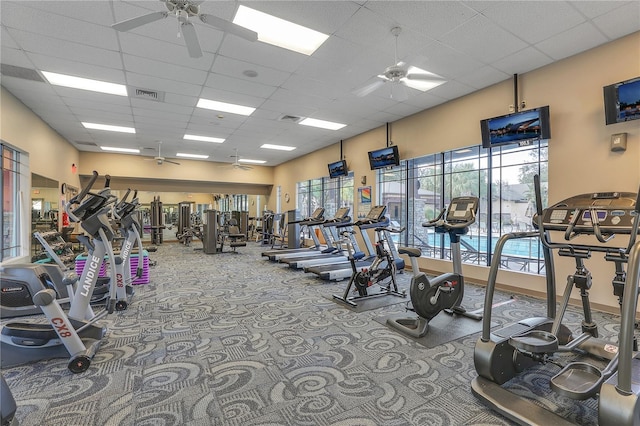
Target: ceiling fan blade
398 92
425 77
139 21
191 39
171 161
242 166
369 88
228 27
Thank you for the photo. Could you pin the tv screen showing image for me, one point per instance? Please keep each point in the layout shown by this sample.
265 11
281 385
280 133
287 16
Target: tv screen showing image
520 127
622 101
385 157
337 169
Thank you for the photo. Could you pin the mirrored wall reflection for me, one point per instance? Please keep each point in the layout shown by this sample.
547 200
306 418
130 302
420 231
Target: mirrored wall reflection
45 203
197 203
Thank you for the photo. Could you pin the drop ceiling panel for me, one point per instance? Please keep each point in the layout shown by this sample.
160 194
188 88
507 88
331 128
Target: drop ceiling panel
522 61
173 53
533 21
482 40
230 97
143 107
235 68
261 53
164 70
366 28
226 83
63 49
162 84
89 11
619 22
451 90
596 8
483 77
442 16
447 61
91 115
569 42
19 14
78 69
7 40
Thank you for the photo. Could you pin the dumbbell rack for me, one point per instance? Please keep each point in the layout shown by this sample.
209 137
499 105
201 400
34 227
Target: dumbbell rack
56 248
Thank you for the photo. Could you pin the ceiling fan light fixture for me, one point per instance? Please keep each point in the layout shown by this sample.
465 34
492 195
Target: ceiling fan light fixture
330 125
277 147
279 32
203 138
85 83
108 127
116 149
198 156
225 107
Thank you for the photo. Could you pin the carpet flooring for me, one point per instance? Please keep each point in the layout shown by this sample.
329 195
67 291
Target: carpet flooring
232 339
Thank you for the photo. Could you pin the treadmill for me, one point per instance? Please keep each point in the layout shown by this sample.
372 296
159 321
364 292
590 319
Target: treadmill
336 255
315 219
339 271
332 249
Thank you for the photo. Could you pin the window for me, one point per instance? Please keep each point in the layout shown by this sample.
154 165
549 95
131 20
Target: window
420 188
12 181
324 192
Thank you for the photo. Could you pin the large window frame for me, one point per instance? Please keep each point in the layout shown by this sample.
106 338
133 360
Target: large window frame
14 222
420 188
330 193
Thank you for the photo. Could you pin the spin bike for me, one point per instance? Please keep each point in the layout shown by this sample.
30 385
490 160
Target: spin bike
445 292
381 273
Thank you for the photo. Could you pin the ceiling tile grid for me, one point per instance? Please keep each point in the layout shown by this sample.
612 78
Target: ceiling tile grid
471 44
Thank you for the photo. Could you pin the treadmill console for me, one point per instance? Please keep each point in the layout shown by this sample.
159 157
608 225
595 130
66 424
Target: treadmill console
342 213
317 213
612 212
462 209
376 214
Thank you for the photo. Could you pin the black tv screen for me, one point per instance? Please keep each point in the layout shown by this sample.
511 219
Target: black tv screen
339 168
521 127
622 101
385 157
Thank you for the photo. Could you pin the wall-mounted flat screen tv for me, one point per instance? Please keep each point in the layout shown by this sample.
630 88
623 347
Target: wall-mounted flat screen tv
385 157
622 101
337 169
517 128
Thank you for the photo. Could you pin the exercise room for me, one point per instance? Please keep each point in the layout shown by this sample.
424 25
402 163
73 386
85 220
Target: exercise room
319 212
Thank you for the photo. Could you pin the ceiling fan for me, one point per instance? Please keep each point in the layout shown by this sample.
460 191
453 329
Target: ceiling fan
236 163
183 10
401 74
159 159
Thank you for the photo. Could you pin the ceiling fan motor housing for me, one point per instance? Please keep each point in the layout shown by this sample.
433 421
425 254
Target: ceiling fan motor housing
395 72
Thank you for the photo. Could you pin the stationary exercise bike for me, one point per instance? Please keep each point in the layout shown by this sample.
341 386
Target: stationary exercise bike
445 292
381 273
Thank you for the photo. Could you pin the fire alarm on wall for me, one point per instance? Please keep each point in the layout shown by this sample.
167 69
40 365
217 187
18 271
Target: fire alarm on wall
619 142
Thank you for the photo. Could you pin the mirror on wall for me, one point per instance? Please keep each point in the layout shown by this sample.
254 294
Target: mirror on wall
45 203
200 202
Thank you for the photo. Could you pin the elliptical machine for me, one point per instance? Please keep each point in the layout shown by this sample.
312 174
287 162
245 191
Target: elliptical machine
445 292
76 335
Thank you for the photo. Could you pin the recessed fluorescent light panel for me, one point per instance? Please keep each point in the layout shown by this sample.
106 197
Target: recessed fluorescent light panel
246 160
278 147
203 138
322 124
108 127
225 107
183 155
85 83
279 32
114 149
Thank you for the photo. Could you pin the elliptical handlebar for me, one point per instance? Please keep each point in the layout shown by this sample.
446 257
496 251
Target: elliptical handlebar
85 190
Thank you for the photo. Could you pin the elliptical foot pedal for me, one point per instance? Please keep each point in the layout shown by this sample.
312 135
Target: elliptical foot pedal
535 341
577 380
414 327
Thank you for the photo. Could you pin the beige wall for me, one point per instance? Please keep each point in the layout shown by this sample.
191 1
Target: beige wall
50 155
579 157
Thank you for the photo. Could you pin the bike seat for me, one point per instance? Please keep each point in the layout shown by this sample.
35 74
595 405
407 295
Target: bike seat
412 252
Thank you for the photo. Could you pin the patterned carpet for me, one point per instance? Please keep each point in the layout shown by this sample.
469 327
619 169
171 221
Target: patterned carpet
231 339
